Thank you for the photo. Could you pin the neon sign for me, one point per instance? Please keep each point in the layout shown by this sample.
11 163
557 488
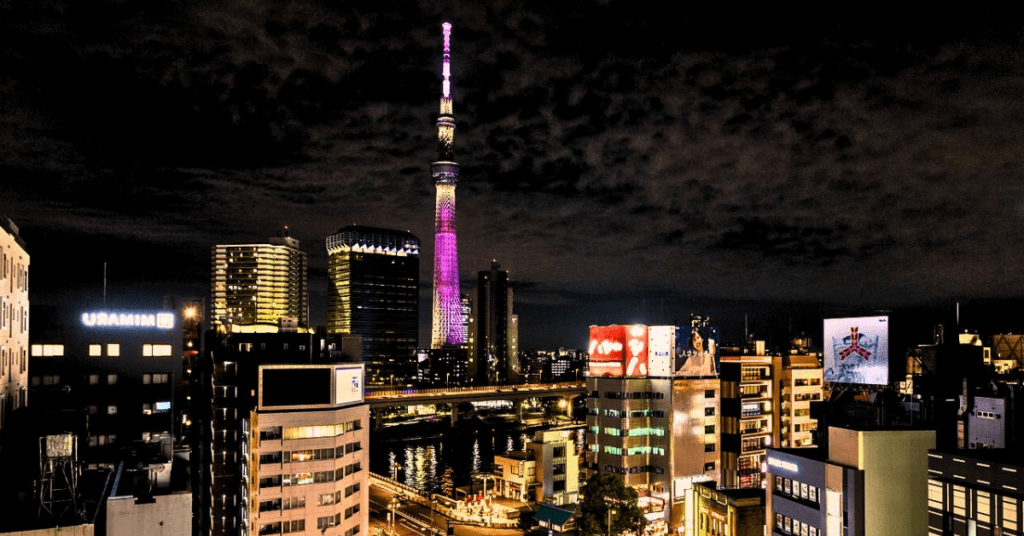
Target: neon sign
788 466
129 320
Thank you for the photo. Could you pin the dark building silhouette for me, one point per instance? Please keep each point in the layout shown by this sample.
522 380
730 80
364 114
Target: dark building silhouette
373 292
494 364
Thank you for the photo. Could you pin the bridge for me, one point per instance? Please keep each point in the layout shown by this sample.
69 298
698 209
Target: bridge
515 394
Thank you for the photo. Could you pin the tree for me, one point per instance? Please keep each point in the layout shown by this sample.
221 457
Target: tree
448 482
606 493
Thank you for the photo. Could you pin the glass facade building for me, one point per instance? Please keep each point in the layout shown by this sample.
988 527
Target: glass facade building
373 292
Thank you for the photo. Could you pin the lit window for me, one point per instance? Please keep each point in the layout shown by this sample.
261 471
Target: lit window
95 350
113 350
94 379
111 379
156 350
111 410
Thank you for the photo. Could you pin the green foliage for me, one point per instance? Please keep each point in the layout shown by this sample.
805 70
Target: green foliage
606 493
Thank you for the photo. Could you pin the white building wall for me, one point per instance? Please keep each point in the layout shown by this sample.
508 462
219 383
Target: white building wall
168 515
14 313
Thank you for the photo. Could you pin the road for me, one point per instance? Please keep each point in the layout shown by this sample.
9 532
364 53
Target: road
415 520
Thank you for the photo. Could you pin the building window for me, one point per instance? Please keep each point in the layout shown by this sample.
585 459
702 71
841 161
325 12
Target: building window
295 525
113 350
1009 513
324 523
156 350
111 379
984 509
709 447
960 501
94 379
47 350
95 350
709 393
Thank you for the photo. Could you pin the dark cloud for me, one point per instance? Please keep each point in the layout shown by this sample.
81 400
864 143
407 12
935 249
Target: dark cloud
609 152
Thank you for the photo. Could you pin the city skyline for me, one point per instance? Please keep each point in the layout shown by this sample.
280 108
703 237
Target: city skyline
624 166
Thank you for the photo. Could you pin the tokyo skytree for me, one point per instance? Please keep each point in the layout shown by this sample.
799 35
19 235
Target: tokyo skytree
447 324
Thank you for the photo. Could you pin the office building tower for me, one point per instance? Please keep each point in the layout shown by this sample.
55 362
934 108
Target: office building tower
798 383
447 327
13 320
286 448
113 373
493 325
373 291
747 390
259 283
867 482
469 328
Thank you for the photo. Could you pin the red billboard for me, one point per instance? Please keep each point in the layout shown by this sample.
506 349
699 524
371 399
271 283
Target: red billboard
618 351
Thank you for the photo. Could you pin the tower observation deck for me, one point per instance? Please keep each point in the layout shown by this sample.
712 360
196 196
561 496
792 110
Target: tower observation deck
447 329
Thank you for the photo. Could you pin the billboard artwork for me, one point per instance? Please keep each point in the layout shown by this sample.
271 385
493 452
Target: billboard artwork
696 352
618 351
661 346
856 350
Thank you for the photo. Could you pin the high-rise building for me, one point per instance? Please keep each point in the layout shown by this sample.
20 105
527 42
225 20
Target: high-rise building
13 320
746 418
653 411
469 328
447 327
494 357
259 283
798 381
373 291
285 448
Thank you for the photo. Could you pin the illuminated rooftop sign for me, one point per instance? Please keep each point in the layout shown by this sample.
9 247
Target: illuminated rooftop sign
128 320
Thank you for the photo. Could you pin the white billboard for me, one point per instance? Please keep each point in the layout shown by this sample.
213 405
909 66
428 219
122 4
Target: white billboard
661 344
856 350
348 385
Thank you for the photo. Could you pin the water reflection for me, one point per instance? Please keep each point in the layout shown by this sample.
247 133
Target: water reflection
422 461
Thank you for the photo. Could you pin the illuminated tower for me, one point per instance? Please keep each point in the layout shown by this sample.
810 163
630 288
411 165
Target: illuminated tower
448 328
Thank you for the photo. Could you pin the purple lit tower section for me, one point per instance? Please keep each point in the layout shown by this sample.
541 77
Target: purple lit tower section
447 329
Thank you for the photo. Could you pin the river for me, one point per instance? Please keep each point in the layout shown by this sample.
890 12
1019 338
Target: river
421 461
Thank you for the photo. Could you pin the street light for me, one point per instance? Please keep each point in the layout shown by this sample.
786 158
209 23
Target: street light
391 517
608 526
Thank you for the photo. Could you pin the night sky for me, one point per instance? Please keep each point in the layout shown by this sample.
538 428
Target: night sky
625 163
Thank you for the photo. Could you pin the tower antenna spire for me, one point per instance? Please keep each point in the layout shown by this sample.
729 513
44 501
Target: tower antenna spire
447 328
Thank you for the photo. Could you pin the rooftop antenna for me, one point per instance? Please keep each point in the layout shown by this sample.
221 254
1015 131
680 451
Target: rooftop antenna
104 284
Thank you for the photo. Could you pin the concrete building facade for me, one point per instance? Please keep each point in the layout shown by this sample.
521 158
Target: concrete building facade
14 313
859 487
